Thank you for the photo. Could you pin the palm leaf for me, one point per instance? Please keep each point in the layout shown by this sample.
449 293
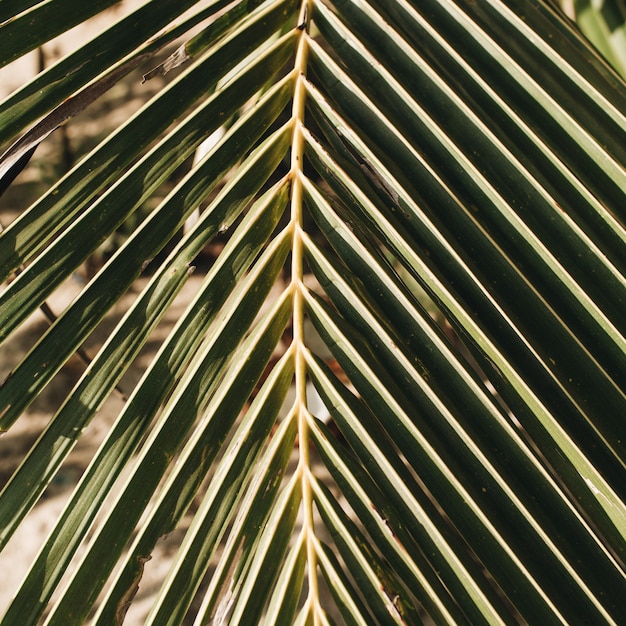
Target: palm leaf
396 395
604 24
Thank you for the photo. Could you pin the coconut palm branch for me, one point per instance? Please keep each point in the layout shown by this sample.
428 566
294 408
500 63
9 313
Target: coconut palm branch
397 394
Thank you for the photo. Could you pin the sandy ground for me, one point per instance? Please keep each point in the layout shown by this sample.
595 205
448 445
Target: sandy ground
123 100
20 551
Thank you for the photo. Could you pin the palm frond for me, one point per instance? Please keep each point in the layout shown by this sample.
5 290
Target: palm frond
397 392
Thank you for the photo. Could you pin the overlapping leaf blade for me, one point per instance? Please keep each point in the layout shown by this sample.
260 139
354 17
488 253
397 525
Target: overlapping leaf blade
438 187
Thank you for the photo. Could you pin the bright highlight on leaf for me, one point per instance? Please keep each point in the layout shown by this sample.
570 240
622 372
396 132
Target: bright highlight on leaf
370 338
